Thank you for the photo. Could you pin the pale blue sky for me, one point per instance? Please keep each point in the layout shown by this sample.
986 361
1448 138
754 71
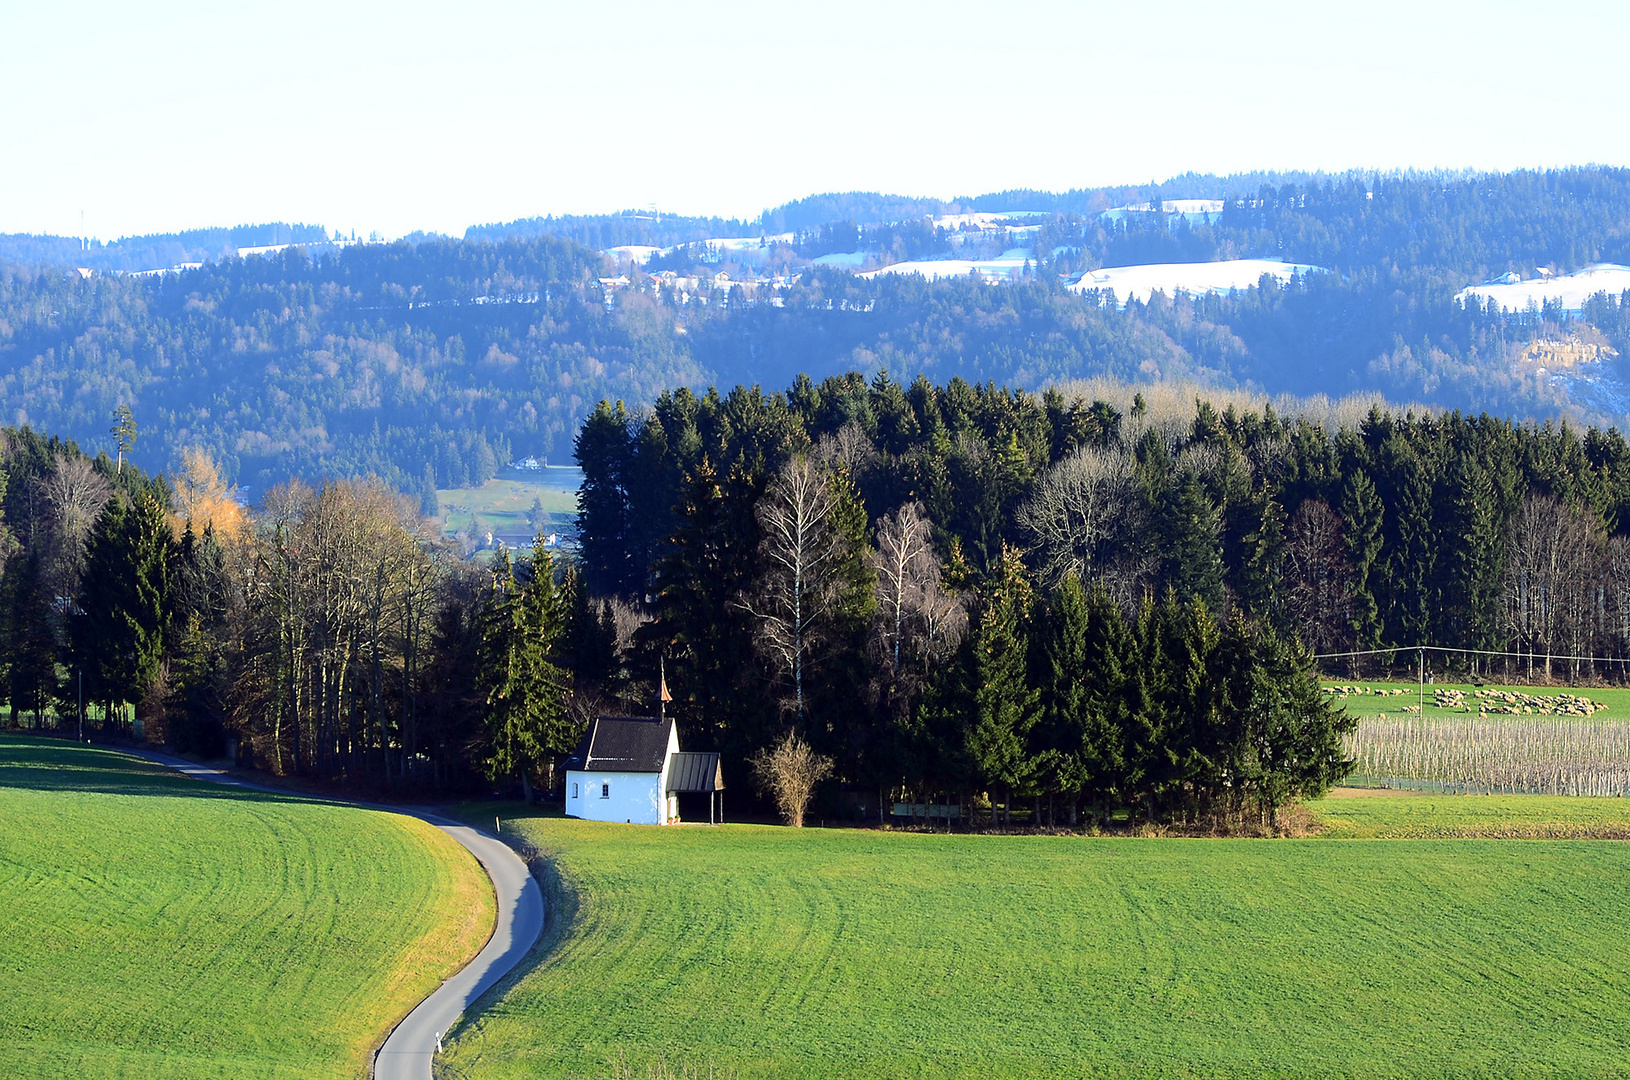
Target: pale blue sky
396 116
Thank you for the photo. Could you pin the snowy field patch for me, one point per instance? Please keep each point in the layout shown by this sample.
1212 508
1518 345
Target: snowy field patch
848 260
1129 282
955 222
1197 211
744 243
933 269
1571 289
640 253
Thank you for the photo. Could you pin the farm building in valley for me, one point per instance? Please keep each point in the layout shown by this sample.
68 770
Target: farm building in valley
630 769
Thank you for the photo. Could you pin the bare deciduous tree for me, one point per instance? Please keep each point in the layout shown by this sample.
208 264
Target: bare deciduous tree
339 588
1082 514
917 617
800 551
1552 566
1319 579
1616 587
788 772
850 449
75 494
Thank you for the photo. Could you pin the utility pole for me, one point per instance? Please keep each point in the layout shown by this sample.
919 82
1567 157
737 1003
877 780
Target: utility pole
81 704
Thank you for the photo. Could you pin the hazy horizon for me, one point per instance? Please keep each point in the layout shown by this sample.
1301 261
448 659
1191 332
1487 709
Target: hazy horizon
412 117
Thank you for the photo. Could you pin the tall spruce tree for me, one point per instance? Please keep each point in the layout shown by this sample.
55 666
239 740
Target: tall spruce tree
698 626
1002 703
1475 559
1263 572
1190 556
1362 528
525 688
117 633
29 652
605 454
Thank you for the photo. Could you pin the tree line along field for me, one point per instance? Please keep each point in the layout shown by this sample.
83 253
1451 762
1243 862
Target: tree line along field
756 952
160 927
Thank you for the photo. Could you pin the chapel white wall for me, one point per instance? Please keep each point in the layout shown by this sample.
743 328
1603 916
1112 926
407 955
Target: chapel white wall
635 797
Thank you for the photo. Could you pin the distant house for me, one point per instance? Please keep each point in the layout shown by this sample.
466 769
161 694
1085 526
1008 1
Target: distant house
630 769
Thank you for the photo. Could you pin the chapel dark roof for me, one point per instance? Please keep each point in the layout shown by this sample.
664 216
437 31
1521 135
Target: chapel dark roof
623 744
694 772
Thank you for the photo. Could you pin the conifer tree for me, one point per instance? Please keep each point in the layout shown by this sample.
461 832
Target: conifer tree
525 687
1002 704
1286 733
1191 558
30 662
1264 565
604 452
1061 733
698 624
118 633
1109 713
1476 563
1361 514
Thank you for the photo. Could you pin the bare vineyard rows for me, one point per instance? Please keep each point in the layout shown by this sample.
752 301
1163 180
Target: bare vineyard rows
1539 755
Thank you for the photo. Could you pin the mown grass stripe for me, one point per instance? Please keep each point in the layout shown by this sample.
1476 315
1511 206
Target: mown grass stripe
761 952
162 927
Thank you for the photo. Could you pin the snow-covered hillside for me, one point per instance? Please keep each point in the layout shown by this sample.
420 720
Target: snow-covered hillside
1197 211
1212 277
1005 267
849 260
982 220
1571 289
640 253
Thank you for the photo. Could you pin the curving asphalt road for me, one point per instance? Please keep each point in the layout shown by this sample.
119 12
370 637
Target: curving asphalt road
411 1047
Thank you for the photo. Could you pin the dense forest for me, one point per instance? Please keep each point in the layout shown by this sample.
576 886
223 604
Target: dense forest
156 251
648 227
985 534
327 633
1096 602
432 361
413 361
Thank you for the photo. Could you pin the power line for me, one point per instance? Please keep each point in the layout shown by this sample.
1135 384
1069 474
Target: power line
1473 652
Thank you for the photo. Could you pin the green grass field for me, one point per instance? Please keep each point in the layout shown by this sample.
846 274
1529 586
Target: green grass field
1353 814
1617 699
503 505
161 927
765 952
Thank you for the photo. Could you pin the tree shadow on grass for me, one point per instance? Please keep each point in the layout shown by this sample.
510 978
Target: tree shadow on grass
561 901
44 763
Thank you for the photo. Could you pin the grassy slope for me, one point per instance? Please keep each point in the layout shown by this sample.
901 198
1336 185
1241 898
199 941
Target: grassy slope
160 927
1390 815
767 952
503 504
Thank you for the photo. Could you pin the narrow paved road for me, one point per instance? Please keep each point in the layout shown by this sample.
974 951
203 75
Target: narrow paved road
410 1049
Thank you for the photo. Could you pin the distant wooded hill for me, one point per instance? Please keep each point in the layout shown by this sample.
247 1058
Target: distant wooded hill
432 360
156 251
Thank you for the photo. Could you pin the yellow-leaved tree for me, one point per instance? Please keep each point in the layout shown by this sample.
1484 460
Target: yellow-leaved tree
204 498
